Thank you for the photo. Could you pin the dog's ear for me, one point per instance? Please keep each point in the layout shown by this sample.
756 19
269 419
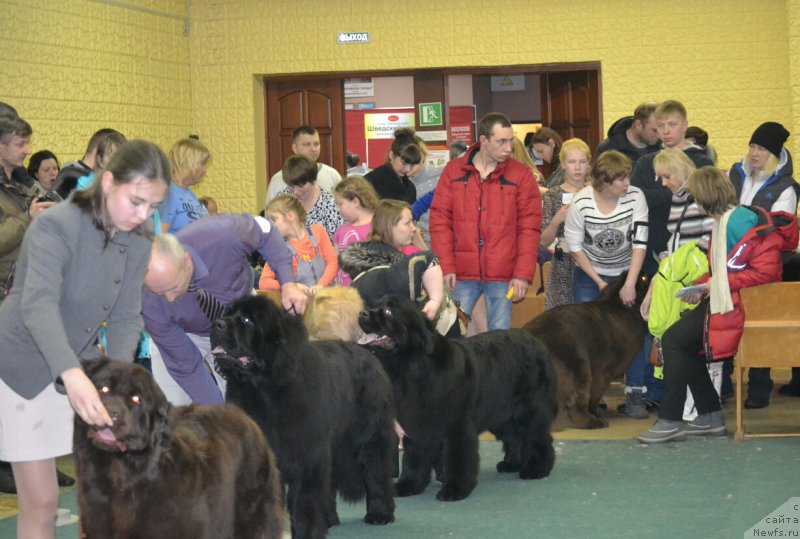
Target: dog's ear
91 366
421 332
161 427
292 339
163 422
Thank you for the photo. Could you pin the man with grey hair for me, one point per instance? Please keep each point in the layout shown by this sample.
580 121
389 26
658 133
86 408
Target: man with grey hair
18 205
191 278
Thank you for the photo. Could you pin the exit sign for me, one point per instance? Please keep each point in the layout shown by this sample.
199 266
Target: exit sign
353 37
430 114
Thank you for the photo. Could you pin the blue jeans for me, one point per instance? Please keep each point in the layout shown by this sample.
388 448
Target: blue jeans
498 306
584 288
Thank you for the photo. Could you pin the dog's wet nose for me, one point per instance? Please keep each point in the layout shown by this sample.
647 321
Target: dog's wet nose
114 415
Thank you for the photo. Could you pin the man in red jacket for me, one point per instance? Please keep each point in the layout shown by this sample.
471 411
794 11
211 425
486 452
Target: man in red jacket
485 223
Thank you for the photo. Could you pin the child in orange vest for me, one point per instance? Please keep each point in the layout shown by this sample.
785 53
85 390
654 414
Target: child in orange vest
314 259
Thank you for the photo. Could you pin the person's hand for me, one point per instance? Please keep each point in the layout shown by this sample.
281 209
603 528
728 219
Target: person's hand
561 214
314 290
38 207
698 297
450 281
520 287
292 297
644 309
84 398
430 308
628 294
601 285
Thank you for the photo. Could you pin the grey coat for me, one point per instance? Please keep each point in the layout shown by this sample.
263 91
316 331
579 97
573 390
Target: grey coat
67 284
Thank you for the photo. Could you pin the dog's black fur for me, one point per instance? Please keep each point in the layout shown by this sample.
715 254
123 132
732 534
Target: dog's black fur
449 391
325 407
162 471
591 344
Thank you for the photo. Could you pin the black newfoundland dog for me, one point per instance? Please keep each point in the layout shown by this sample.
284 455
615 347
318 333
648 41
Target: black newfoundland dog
449 391
164 471
325 407
591 344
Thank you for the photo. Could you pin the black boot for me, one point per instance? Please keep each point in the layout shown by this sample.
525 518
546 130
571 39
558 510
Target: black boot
64 480
7 483
792 389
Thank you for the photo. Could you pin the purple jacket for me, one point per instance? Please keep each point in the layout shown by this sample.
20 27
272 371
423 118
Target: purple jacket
219 246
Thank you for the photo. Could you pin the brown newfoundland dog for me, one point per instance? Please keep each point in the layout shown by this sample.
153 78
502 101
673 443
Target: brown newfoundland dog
590 344
449 391
164 471
325 407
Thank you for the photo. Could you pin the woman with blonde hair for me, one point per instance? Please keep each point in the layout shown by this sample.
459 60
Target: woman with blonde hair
519 153
188 159
356 201
764 178
745 251
575 158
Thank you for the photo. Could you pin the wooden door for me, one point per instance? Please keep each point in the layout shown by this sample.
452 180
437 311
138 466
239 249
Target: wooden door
290 104
571 105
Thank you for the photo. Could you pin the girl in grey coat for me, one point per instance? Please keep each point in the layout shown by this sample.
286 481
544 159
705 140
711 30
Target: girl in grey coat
81 267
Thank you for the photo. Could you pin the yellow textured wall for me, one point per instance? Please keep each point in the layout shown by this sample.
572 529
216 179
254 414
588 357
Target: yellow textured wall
728 62
733 63
74 66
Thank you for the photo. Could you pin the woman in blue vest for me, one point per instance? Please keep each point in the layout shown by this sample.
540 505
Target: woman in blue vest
763 178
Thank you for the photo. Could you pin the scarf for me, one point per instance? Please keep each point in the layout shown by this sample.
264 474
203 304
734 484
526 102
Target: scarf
720 290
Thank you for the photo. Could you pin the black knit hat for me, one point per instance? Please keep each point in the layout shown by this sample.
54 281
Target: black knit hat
770 135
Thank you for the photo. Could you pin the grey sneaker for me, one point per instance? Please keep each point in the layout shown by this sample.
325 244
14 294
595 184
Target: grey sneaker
634 404
711 424
664 430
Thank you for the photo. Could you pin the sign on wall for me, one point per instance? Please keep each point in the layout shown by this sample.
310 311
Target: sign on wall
353 37
430 114
462 124
508 83
364 87
382 125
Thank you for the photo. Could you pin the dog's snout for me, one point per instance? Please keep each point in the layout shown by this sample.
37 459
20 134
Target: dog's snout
363 316
219 324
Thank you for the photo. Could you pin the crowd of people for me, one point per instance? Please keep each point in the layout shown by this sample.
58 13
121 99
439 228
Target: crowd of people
116 252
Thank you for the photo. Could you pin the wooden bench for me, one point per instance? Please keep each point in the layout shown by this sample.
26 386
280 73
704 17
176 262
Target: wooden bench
771 339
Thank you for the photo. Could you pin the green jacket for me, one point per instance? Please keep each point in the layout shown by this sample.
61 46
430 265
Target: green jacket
687 264
15 199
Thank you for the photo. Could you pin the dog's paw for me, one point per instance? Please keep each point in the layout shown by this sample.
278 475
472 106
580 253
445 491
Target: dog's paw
452 493
332 520
533 472
598 423
407 488
379 518
507 467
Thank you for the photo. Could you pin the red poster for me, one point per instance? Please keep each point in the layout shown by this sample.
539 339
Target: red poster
373 152
462 124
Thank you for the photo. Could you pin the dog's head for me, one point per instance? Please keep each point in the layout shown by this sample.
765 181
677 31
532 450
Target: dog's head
138 407
398 323
333 314
611 292
257 341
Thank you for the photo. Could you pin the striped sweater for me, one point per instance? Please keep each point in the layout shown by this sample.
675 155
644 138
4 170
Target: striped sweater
607 239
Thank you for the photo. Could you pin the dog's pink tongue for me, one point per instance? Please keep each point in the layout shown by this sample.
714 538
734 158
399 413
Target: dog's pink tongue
106 435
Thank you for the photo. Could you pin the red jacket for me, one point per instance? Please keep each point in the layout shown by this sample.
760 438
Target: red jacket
505 210
754 260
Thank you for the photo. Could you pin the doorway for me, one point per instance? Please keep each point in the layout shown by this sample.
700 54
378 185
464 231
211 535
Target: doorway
568 97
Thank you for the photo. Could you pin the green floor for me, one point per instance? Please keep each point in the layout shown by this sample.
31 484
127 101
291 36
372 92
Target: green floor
615 489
